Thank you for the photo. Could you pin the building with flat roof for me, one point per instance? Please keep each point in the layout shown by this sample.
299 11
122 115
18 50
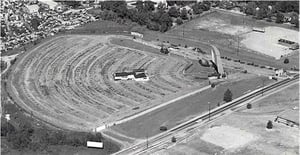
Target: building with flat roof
289 117
136 74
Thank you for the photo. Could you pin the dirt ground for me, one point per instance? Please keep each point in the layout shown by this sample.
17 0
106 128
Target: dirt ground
267 43
68 80
281 139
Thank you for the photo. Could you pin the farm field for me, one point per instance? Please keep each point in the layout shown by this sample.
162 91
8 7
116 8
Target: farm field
225 33
244 131
67 81
182 110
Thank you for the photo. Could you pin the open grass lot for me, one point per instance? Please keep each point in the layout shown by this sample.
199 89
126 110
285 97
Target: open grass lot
222 37
67 81
281 139
101 27
65 150
179 111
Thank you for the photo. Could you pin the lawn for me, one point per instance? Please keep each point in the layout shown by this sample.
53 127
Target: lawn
135 45
179 111
101 27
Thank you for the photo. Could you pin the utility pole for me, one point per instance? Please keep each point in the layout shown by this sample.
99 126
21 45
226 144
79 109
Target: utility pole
238 41
209 111
147 141
183 31
263 85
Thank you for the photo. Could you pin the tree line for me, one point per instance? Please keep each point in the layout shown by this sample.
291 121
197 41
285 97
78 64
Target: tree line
25 136
145 14
267 9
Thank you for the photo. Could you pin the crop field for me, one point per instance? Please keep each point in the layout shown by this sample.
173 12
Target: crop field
67 81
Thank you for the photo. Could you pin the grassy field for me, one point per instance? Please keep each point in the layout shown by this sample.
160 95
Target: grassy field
281 139
179 111
226 43
131 44
101 27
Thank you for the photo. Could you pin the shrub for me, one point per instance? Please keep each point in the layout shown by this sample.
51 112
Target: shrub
185 46
213 85
249 106
173 139
269 125
227 96
286 61
163 128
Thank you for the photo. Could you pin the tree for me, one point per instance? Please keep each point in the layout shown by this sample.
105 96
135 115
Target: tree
197 8
250 8
166 22
286 61
269 125
262 12
279 18
295 19
183 14
179 21
173 12
139 5
149 6
249 106
227 96
153 26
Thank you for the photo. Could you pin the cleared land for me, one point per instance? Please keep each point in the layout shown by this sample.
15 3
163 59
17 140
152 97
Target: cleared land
267 43
281 139
67 81
179 111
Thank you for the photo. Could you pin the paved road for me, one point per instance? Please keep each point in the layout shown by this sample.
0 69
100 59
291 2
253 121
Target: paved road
161 140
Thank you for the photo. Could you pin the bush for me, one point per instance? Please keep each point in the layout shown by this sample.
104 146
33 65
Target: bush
173 139
269 125
286 61
249 106
227 96
179 21
213 85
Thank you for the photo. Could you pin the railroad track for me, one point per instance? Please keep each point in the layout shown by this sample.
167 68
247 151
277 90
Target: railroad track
159 140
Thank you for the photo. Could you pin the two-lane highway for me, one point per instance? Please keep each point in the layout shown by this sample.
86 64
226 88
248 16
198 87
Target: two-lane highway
160 139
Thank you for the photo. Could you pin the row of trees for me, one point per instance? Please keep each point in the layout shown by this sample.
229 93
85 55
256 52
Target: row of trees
145 13
267 9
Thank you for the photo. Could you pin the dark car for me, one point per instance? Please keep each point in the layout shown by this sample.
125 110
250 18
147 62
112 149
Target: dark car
163 128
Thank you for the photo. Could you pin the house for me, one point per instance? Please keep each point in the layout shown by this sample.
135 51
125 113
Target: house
280 72
289 117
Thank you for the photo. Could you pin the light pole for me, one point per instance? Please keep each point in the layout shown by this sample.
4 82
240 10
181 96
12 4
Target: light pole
209 111
147 141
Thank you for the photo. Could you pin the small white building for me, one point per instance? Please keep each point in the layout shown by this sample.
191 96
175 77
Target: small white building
92 144
137 75
280 72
